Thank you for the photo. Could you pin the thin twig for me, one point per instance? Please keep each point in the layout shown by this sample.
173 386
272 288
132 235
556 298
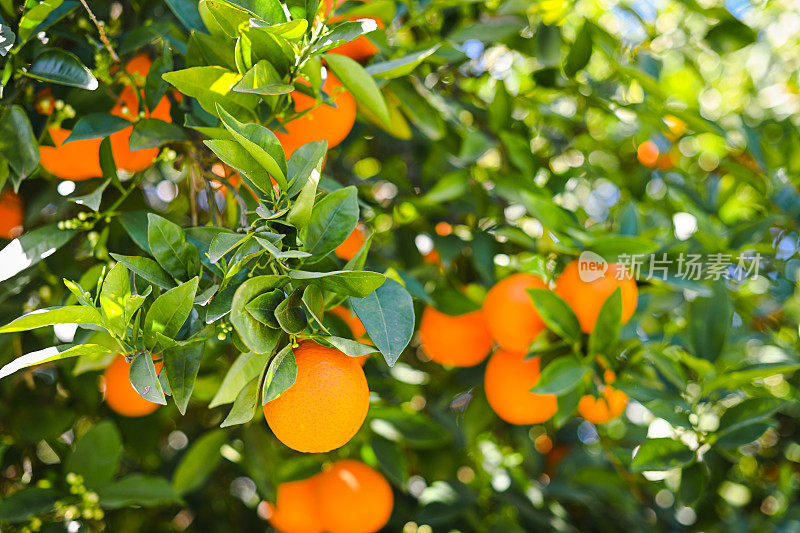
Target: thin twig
102 32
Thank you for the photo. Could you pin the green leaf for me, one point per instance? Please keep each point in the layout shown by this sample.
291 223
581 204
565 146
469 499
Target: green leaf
388 316
168 245
342 33
97 454
748 412
7 38
332 220
170 310
135 225
290 313
48 355
69 314
606 331
113 296
661 454
155 87
560 376
260 143
95 125
401 66
244 406
223 243
556 314
26 503
350 347
710 321
220 304
359 284
152 133
181 365
186 11
264 80
147 269
305 164
281 374
580 52
234 155
139 490
359 83
300 213
144 379
294 29
263 307
277 253
258 337
18 144
199 461
62 67
93 199
30 248
212 86
33 17
246 367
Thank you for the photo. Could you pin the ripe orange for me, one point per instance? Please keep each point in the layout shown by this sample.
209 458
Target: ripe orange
352 244
139 65
12 214
461 340
76 160
432 258
586 298
321 122
326 405
508 380
510 314
603 409
649 155
361 48
353 498
120 395
296 507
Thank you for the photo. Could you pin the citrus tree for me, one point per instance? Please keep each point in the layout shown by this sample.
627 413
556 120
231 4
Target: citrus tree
415 265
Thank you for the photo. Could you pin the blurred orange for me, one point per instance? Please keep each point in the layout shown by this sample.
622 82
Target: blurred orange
12 215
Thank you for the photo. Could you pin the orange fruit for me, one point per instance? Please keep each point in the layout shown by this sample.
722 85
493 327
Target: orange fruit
12 214
120 395
76 160
603 409
457 340
352 244
508 380
432 258
586 298
321 122
647 154
296 508
327 404
353 498
510 314
360 48
45 102
139 65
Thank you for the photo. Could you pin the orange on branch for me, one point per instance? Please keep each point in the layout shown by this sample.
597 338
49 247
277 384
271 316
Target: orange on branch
120 395
352 244
508 380
76 160
321 122
586 298
327 404
510 314
461 340
296 508
12 215
605 408
128 107
353 498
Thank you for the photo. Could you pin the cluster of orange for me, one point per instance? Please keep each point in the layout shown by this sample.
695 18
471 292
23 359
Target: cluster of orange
80 160
509 318
346 497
